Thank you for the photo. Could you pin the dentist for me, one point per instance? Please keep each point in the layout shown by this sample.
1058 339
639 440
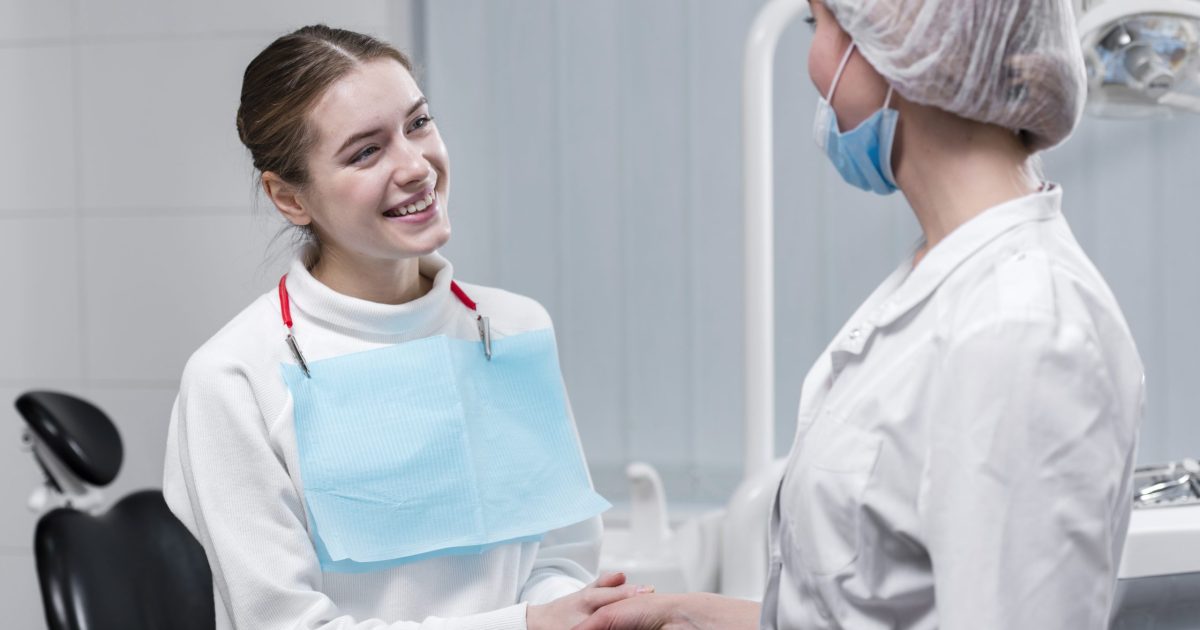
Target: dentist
965 444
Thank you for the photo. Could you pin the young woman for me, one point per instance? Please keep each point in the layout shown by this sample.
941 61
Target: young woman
373 444
965 444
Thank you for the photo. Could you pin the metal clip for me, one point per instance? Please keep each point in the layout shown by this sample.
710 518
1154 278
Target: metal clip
291 342
485 335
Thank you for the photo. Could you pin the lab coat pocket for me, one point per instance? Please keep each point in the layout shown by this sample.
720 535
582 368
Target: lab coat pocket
827 491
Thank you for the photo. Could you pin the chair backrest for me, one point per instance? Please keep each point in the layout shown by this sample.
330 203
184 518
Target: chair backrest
135 567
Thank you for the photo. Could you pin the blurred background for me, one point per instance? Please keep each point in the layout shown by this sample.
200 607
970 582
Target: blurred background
596 166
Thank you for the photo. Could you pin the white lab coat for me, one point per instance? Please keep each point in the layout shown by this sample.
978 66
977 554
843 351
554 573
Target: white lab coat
965 445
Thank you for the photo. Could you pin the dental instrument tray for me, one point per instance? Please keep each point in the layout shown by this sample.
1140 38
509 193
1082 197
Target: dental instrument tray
1167 485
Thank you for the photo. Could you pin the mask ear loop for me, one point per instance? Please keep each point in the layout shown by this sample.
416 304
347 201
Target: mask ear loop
838 75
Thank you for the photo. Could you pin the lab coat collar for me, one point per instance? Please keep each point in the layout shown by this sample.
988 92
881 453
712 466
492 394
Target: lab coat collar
915 286
411 319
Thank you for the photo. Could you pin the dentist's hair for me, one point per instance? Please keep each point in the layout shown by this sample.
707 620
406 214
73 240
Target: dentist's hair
283 83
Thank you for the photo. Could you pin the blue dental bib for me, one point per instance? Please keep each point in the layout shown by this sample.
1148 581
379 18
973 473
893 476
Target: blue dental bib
427 448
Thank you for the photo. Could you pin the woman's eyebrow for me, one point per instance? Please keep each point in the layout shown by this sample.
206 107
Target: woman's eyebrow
372 131
421 101
359 136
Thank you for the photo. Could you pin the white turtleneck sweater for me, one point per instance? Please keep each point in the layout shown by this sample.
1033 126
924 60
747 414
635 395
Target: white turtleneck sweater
232 474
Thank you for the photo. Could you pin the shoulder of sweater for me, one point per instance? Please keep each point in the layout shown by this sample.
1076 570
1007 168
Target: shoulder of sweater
509 312
242 341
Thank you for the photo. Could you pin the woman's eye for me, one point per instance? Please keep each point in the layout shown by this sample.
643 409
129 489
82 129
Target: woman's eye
420 123
810 21
364 154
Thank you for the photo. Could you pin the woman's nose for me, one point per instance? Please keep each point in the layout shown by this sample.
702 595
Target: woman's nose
410 165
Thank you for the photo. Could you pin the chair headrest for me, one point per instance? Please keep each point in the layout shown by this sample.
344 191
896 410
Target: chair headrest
77 432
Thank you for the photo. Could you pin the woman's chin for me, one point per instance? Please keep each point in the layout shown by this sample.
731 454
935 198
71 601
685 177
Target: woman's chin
433 241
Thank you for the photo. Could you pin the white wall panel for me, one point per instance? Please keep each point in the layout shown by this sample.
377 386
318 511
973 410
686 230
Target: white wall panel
714 262
153 18
40 321
37 170
27 21
157 124
1176 413
654 137
525 201
167 284
21 606
588 318
458 30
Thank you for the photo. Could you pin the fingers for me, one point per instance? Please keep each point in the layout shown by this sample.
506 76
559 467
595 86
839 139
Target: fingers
641 613
599 597
609 579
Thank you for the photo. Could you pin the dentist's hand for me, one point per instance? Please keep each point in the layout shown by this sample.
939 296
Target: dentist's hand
689 611
573 609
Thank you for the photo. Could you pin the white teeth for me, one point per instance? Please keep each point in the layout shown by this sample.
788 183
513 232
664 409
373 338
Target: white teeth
414 207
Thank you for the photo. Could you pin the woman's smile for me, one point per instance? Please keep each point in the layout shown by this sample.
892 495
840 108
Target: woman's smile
423 209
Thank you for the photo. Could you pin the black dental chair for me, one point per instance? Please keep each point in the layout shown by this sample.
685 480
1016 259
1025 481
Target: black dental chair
134 567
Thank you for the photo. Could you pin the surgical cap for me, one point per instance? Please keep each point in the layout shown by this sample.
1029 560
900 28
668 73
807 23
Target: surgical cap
1014 63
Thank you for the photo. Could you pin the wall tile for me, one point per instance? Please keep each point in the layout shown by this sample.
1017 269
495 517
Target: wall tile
157 124
142 17
157 288
40 323
25 20
37 165
21 606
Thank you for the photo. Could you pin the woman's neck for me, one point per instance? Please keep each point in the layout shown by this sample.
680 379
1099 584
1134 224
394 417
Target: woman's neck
384 282
952 170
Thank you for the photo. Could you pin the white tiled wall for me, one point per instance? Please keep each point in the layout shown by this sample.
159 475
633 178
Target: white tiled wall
129 230
156 124
37 129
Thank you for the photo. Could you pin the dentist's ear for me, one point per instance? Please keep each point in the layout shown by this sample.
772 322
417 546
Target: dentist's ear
286 198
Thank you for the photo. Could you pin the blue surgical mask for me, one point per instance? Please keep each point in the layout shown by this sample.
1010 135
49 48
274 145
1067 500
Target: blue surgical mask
863 155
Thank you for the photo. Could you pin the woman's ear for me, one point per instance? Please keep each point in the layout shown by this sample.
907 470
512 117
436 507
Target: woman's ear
286 198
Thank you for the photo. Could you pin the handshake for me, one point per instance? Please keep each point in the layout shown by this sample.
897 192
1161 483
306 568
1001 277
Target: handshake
611 604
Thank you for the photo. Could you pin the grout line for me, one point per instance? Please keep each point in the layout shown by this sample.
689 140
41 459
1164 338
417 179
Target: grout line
77 194
418 30
25 214
687 228
132 38
116 212
561 279
80 383
160 212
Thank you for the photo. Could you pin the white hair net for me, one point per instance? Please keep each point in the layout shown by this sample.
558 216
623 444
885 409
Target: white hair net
1014 63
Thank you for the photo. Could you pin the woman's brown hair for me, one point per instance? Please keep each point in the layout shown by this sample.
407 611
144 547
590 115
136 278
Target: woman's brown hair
285 81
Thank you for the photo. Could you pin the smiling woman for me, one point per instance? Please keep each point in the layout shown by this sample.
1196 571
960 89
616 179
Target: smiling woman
417 466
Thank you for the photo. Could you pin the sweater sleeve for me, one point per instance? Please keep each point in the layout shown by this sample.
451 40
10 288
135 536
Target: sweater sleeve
232 490
567 558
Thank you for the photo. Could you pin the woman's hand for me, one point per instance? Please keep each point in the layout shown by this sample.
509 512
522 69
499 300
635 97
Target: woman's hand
688 611
571 610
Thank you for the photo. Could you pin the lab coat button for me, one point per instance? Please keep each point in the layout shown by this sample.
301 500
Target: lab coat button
855 333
